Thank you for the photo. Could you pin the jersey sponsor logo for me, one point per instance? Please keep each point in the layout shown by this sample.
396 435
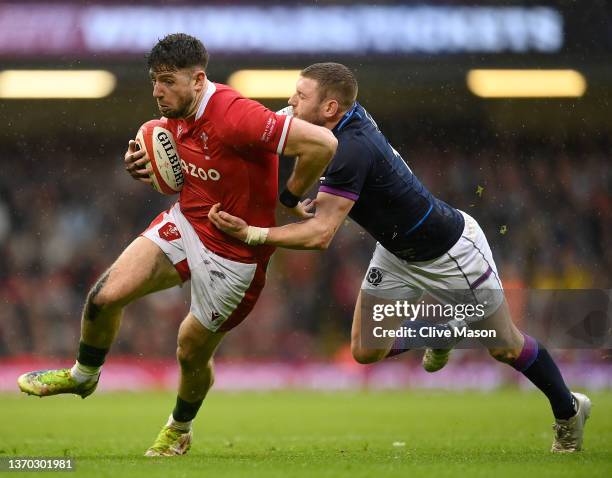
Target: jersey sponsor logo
203 174
374 276
169 232
269 130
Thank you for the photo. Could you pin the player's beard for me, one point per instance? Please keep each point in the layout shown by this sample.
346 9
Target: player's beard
312 117
180 111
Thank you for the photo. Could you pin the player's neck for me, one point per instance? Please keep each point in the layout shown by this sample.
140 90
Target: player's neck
332 122
191 113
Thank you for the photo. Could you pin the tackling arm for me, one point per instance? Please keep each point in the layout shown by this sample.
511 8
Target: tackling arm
315 233
315 147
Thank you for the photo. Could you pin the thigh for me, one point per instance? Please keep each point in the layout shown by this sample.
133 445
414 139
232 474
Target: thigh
141 268
387 278
363 341
223 291
465 275
356 325
385 282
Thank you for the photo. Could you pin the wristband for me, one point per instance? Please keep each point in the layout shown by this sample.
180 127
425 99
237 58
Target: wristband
256 235
288 199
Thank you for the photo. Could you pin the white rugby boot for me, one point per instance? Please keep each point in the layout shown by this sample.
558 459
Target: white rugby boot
569 433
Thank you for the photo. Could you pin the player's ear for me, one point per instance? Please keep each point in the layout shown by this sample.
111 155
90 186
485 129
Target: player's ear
199 77
330 108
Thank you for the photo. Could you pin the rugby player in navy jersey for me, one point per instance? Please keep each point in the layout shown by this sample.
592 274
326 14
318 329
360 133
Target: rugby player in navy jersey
423 244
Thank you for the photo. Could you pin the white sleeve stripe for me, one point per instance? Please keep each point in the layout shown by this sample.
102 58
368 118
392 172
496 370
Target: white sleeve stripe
283 138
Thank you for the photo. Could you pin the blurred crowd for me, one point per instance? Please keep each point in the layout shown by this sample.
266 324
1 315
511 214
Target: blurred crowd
67 212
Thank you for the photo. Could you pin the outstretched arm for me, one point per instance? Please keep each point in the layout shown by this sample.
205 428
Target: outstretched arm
314 147
314 233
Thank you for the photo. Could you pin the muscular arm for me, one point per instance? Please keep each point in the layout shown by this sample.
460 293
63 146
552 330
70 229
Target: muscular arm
315 147
248 125
315 233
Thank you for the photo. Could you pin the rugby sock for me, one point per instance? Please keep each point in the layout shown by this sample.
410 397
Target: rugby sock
180 426
184 412
91 356
404 344
538 366
89 362
83 373
399 347
423 339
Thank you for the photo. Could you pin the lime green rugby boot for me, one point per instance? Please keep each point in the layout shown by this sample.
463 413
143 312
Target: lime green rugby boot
170 442
44 383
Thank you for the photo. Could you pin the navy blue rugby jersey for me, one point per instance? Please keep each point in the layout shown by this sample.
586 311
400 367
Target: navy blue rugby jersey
390 202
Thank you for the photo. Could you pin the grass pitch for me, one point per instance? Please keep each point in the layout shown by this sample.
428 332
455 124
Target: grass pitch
308 434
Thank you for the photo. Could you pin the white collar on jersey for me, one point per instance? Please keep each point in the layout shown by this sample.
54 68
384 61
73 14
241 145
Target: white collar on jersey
210 90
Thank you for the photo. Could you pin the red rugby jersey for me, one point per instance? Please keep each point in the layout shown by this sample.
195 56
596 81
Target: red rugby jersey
229 153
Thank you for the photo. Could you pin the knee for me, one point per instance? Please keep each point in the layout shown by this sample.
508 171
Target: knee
366 356
508 356
185 354
100 299
360 354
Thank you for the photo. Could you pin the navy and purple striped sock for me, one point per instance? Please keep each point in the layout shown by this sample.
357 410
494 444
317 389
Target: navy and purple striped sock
399 347
421 340
538 366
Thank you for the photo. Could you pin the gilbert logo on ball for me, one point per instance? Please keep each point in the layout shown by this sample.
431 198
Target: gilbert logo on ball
161 151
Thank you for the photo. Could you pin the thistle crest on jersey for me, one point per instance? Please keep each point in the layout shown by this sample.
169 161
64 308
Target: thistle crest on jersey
160 147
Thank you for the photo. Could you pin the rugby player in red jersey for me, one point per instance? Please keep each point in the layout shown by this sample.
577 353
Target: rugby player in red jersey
229 148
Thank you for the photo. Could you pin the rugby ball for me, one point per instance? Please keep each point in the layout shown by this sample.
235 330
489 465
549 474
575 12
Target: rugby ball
158 143
287 111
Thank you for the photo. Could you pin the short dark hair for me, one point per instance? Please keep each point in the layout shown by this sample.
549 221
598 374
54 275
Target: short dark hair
335 80
177 51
